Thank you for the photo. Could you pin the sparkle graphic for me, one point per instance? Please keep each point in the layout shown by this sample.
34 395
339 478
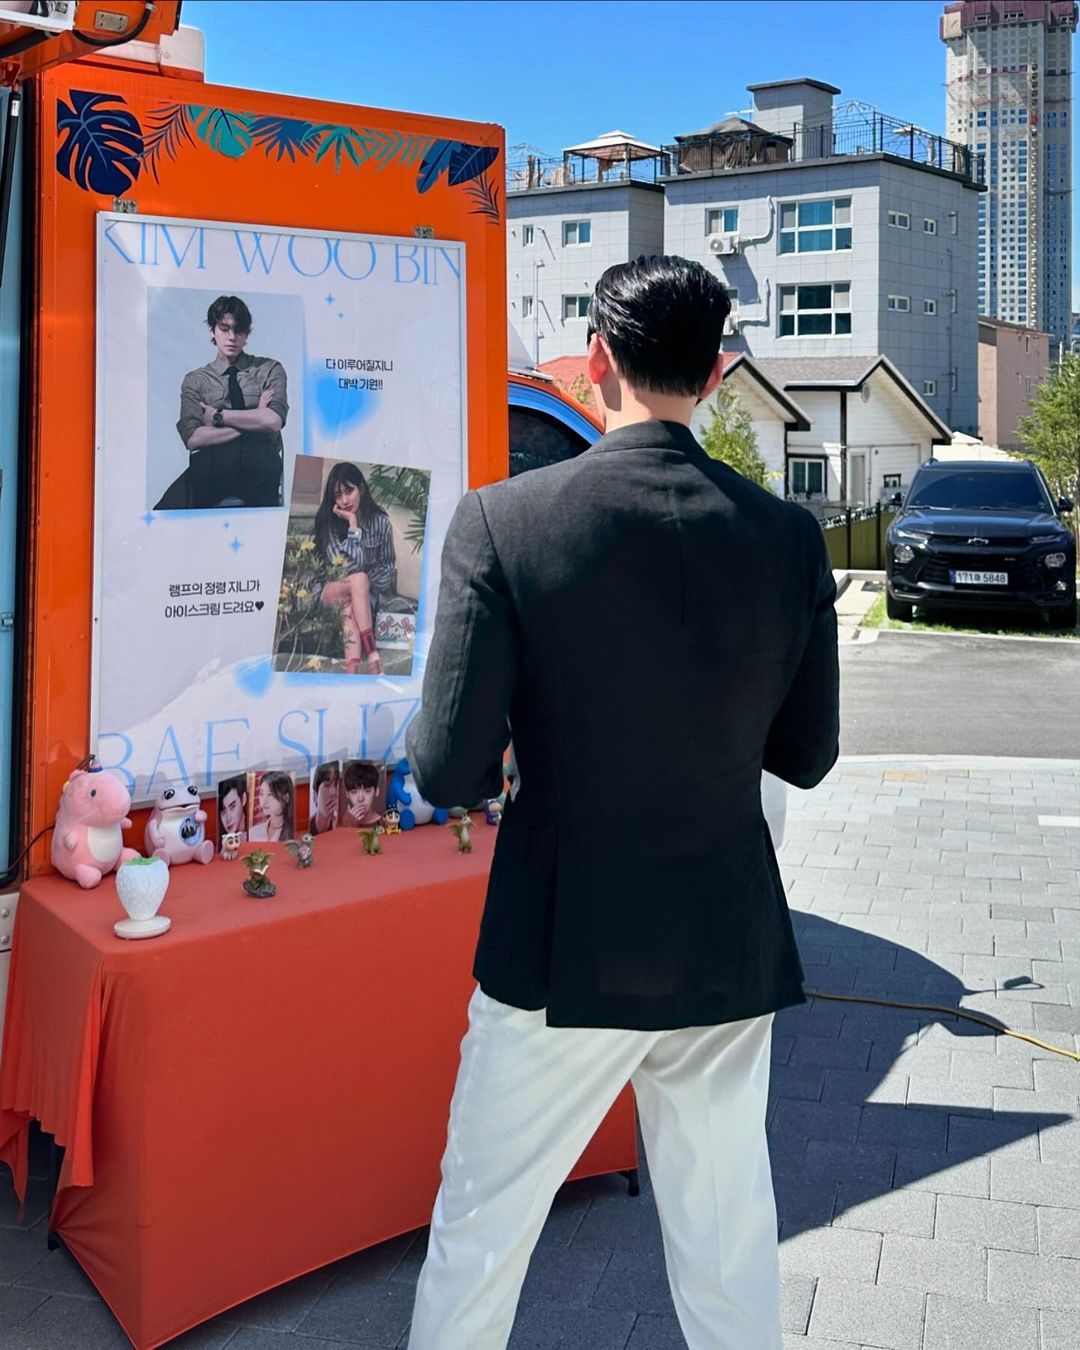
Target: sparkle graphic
148 519
236 546
329 299
225 526
341 313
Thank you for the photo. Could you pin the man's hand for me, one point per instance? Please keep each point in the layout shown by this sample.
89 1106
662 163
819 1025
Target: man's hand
208 414
266 398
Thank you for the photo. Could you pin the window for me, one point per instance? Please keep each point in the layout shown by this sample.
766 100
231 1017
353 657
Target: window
815 311
895 480
954 381
528 235
806 477
575 307
526 306
576 232
929 226
722 220
816 226
900 220
929 388
929 306
900 303
537 439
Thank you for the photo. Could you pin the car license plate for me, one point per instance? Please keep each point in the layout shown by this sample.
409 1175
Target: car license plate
980 578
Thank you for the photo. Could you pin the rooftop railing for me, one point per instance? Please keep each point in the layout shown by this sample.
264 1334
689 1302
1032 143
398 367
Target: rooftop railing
853 130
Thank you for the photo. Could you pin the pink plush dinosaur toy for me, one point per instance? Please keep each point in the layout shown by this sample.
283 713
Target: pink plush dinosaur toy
88 841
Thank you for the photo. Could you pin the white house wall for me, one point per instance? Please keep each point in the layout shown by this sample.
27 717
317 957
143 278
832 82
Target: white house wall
888 427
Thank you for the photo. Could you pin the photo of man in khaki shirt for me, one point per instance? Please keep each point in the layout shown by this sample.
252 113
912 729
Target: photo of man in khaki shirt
232 411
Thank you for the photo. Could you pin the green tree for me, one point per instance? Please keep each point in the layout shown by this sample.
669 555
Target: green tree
1052 431
730 437
581 389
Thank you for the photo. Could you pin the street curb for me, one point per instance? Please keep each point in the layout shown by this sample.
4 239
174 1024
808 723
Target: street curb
969 761
994 637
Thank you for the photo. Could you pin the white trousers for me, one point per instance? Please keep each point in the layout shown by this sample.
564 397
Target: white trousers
528 1099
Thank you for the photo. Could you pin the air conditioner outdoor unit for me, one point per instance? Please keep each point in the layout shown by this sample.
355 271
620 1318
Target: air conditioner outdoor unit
723 244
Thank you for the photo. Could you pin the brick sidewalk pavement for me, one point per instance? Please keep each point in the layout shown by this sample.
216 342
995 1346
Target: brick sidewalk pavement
927 1171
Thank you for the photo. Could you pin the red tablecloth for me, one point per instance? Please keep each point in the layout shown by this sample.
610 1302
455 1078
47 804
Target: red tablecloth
260 1091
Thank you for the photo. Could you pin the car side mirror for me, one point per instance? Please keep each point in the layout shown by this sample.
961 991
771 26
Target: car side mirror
1065 504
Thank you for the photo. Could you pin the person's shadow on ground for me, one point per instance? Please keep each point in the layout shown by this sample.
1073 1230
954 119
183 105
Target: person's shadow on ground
845 1127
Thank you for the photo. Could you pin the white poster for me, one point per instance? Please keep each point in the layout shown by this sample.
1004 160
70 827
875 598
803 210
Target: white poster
280 446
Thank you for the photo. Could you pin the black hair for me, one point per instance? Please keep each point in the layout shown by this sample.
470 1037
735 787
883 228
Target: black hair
237 785
327 525
662 319
360 773
325 773
229 304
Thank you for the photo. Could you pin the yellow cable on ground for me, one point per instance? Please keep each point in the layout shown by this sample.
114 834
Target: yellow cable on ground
949 1012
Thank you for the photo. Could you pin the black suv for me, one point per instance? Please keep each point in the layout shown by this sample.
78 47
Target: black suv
981 534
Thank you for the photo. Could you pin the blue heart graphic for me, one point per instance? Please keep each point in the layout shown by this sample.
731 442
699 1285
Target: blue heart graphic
341 409
255 677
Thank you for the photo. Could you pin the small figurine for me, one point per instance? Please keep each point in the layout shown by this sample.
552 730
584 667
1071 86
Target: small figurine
461 827
175 831
404 793
369 838
391 822
303 850
258 883
230 845
493 809
88 841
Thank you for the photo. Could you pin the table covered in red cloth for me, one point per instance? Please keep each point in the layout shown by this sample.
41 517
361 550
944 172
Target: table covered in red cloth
262 1090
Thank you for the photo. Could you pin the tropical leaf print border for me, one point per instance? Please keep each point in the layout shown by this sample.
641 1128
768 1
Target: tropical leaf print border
125 147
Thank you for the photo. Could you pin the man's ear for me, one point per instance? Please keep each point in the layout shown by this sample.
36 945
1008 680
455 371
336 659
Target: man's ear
716 375
598 361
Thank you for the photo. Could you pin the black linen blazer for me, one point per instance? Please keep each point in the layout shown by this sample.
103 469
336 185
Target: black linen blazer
653 630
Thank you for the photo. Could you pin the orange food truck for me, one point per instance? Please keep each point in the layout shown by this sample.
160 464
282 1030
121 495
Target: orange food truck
218 306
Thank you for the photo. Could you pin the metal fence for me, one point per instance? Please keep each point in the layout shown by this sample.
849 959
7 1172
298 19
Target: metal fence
855 537
853 129
550 171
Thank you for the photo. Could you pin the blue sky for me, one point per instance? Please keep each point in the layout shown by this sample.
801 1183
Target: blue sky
556 72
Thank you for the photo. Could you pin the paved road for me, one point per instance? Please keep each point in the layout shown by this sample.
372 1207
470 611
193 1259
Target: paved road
923 694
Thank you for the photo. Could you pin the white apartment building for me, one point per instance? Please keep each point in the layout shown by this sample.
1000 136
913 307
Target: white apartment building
839 232
1009 100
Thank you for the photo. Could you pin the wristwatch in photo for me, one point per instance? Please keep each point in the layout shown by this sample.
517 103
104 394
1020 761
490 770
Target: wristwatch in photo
218 419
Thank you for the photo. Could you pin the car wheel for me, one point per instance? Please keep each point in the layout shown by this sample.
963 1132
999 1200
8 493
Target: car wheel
1064 618
898 609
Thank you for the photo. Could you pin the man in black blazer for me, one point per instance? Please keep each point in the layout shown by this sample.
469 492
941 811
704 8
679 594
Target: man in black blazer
639 605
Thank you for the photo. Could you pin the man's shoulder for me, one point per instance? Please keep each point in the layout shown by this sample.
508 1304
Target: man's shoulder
509 496
259 362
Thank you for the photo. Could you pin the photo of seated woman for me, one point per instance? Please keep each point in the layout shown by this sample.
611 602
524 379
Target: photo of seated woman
350 582
365 792
271 807
325 798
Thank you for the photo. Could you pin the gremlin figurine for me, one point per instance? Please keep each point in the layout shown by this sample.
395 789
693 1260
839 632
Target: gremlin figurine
258 883
369 838
302 849
461 826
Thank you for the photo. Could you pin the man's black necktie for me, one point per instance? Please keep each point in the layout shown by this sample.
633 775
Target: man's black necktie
236 397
